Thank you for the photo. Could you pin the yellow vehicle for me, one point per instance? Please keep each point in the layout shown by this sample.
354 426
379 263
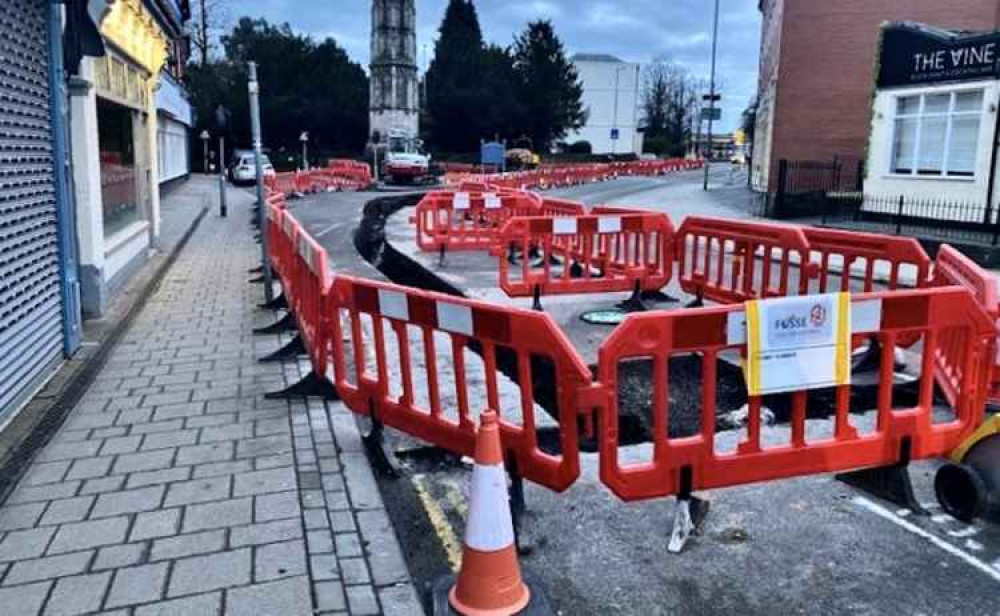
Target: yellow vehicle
968 486
522 158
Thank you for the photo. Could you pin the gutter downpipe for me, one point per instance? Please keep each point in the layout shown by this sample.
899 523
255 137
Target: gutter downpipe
991 183
65 203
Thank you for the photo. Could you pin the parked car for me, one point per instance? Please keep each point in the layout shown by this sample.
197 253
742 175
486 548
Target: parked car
242 169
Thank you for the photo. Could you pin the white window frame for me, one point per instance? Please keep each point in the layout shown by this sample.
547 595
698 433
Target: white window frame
951 114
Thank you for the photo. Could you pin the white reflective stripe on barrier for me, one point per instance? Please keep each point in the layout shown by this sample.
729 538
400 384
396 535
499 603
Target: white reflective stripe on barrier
490 528
492 201
564 226
461 201
394 305
272 214
306 252
288 226
609 224
454 318
866 318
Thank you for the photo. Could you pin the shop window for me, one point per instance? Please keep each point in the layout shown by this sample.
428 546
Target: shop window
937 134
119 193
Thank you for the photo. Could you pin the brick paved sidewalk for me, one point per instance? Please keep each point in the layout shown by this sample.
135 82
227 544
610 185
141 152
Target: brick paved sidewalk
175 488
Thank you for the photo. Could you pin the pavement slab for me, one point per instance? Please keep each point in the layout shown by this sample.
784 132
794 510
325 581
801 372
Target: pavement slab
174 487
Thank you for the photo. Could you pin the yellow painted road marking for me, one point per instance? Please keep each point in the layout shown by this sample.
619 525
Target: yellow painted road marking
439 522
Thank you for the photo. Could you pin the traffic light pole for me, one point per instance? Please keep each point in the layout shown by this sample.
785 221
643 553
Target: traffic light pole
711 94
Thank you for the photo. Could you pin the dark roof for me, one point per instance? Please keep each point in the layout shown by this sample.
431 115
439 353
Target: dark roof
596 57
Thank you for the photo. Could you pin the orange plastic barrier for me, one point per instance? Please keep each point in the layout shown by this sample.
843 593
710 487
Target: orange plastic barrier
467 221
561 207
587 254
415 359
311 281
658 336
281 245
952 268
401 339
730 261
843 255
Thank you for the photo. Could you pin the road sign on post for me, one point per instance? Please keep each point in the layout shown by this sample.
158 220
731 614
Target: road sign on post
711 113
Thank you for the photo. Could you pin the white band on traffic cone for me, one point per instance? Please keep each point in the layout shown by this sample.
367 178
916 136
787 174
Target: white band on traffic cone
490 527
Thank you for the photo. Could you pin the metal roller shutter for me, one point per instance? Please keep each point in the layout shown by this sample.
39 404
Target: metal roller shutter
30 310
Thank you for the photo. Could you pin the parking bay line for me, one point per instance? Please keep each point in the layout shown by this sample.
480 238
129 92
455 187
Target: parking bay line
908 526
439 522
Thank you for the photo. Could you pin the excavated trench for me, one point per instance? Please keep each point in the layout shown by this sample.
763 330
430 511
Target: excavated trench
635 389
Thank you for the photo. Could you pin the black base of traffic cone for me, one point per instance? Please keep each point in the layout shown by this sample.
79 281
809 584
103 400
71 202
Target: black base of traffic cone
538 606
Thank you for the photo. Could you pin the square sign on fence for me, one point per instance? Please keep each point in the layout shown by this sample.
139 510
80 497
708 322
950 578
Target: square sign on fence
797 343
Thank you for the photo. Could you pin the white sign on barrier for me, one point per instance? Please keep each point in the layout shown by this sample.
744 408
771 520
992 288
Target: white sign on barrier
492 201
462 201
797 343
564 226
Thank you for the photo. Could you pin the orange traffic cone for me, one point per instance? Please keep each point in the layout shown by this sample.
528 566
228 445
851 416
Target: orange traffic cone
489 582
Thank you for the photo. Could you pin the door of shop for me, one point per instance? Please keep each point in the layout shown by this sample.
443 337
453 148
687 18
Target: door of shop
31 335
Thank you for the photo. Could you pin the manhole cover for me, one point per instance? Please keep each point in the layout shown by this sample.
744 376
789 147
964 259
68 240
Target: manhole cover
603 317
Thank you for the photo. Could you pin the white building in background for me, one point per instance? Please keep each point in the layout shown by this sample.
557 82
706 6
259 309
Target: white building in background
173 130
611 96
934 125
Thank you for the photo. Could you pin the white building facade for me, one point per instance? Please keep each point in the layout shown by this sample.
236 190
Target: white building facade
117 132
173 130
611 98
934 123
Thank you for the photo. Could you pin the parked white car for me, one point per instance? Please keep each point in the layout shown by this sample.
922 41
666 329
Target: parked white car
243 170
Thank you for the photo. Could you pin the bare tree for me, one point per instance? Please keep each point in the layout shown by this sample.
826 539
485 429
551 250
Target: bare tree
209 19
671 104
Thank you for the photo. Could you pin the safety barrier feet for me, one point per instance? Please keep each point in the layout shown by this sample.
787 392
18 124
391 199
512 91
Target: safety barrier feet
490 580
634 303
378 450
294 349
688 515
284 324
311 386
442 251
657 296
536 299
697 302
278 303
890 483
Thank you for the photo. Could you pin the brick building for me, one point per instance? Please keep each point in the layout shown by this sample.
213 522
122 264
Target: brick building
817 73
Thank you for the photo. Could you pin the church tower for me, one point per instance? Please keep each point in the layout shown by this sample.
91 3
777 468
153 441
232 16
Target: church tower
394 97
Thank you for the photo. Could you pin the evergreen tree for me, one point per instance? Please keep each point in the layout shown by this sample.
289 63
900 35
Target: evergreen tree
456 84
305 86
504 115
550 88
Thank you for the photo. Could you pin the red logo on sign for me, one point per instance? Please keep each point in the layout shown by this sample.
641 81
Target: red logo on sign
818 315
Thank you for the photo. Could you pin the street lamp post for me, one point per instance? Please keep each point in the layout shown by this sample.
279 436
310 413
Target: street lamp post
222 125
614 122
204 142
254 89
304 138
711 94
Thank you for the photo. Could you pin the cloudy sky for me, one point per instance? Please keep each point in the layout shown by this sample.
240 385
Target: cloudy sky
634 30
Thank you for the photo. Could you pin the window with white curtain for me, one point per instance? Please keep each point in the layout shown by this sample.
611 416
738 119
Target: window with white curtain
937 134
